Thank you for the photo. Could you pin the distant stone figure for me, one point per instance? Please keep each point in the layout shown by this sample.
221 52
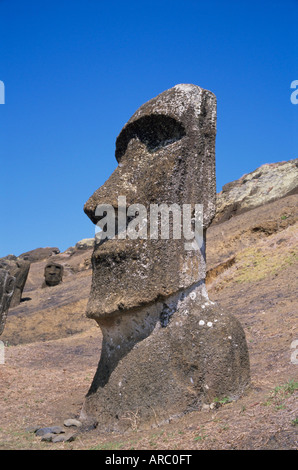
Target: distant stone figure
7 286
19 269
167 349
53 274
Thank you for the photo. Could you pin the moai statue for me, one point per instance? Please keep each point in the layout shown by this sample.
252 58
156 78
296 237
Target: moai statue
19 269
7 286
167 349
53 274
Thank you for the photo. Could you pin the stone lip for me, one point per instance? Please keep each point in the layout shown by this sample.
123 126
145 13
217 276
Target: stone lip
266 184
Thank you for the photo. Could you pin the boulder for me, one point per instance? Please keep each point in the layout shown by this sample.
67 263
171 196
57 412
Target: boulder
266 184
39 254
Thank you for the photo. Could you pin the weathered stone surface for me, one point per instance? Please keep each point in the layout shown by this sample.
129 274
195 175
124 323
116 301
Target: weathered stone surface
19 269
39 254
67 437
56 437
199 356
7 286
32 429
166 350
85 244
166 154
48 437
72 422
263 185
49 430
53 274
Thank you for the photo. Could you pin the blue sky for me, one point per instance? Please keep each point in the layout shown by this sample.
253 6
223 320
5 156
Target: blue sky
75 71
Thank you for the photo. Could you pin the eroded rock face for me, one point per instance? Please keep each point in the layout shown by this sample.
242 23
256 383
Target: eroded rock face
19 269
148 295
7 286
85 244
39 254
53 274
267 183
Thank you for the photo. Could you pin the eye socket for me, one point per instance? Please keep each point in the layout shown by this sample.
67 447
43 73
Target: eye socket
155 131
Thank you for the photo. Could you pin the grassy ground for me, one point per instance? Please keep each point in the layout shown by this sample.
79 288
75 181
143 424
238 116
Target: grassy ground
44 380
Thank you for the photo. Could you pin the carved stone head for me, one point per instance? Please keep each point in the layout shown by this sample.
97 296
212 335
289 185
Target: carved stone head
166 155
53 274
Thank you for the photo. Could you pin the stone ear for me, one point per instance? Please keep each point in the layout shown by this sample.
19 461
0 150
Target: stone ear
10 285
154 130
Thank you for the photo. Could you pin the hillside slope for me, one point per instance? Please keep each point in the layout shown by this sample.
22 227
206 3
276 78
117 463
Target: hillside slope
54 349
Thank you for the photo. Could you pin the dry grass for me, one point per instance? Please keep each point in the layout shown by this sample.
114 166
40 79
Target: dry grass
44 382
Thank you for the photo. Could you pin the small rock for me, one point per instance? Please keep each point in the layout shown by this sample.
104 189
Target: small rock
205 407
72 422
48 437
69 437
49 430
32 429
85 244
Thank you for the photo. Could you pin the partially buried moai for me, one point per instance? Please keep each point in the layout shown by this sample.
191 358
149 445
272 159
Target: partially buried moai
19 269
167 349
7 287
53 274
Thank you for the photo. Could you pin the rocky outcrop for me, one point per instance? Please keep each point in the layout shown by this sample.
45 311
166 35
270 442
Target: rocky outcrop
266 184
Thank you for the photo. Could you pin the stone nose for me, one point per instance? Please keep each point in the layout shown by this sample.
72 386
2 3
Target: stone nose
117 191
